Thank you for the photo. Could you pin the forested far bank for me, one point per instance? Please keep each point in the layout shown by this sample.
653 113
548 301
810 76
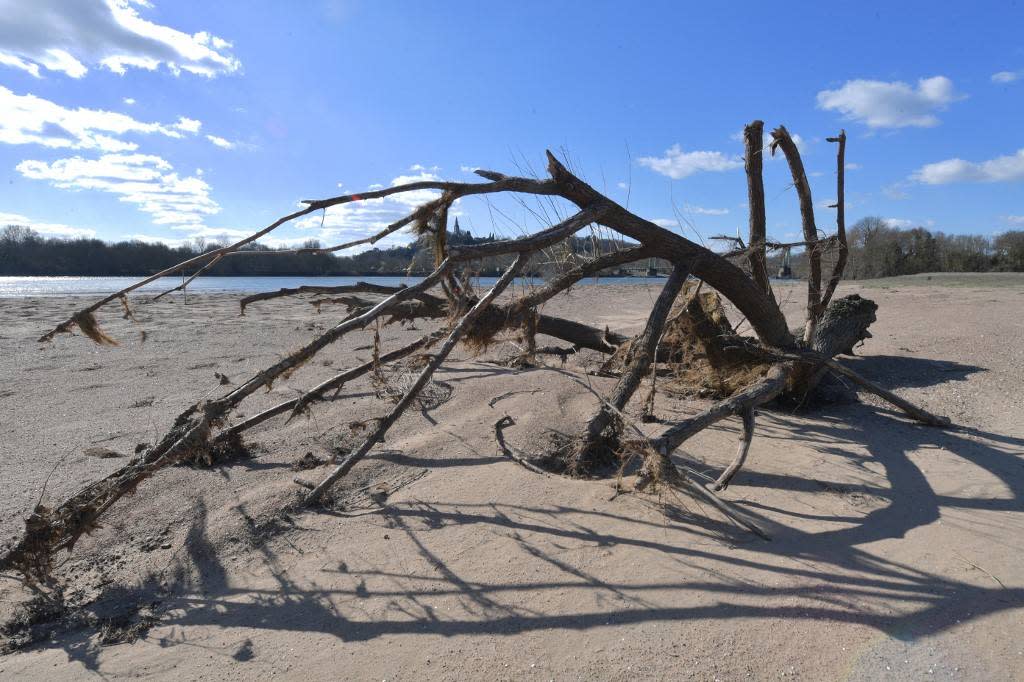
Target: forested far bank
24 252
876 249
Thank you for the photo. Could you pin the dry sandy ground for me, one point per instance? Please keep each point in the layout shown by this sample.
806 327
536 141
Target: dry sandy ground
896 550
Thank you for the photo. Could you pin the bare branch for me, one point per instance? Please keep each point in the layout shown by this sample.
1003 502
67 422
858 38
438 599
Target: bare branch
753 143
781 138
746 436
386 422
840 265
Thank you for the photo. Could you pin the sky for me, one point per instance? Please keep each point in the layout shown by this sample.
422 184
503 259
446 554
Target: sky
171 120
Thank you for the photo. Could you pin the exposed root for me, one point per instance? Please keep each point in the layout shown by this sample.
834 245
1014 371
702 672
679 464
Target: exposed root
509 451
48 531
746 436
704 355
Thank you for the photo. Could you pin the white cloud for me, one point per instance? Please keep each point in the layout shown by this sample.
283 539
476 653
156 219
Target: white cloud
895 191
1000 169
129 100
881 104
899 223
700 210
60 60
622 185
678 164
11 60
416 197
226 144
853 166
28 119
1006 76
356 220
119 64
146 181
467 169
46 229
65 36
667 223
189 125
1015 219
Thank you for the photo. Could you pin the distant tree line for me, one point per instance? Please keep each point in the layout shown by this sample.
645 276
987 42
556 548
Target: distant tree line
25 252
876 249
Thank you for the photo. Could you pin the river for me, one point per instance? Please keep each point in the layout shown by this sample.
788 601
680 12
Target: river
25 287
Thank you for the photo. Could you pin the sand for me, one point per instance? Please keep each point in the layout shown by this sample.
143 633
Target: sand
896 550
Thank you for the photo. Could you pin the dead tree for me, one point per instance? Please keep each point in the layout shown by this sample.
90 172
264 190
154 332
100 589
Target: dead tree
793 361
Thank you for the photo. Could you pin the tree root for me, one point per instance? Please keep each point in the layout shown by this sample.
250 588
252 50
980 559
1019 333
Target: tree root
746 436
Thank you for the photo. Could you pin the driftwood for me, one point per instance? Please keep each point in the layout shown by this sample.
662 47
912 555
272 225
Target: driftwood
789 363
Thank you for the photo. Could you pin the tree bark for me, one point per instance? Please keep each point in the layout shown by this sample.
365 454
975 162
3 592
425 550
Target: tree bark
781 138
746 436
753 160
843 250
594 448
435 361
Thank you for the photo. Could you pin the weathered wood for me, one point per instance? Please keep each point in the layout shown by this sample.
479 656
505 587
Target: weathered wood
357 288
910 409
764 317
388 420
336 382
756 394
781 138
643 351
302 355
844 324
843 250
753 161
746 436
825 334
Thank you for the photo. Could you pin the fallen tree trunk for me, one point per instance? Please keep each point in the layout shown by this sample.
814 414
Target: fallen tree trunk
775 361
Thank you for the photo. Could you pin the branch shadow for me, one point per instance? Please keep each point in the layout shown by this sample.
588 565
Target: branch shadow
842 575
896 371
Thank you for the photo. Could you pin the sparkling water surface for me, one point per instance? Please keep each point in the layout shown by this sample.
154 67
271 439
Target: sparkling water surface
26 287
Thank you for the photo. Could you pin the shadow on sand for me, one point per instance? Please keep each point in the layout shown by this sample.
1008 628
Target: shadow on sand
848 582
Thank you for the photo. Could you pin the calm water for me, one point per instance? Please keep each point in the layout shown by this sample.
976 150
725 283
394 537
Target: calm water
16 287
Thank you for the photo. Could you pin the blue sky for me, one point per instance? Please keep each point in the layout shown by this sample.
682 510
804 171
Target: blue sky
172 120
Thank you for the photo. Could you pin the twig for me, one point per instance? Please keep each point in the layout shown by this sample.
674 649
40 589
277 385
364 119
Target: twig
495 400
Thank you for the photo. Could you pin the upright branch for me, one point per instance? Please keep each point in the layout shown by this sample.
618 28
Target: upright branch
593 448
781 138
753 160
843 252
